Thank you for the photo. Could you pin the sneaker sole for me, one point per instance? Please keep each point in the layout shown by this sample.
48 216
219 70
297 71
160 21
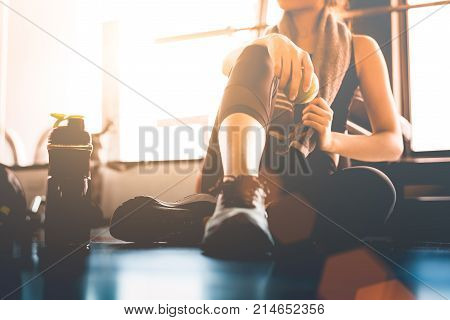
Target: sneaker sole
149 220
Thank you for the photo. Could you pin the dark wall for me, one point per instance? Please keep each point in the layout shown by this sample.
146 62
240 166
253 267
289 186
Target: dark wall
378 27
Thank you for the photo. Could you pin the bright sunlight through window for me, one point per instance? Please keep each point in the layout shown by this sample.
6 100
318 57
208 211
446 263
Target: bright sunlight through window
429 63
184 78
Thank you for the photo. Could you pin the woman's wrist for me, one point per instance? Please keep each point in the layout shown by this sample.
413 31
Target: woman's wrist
331 146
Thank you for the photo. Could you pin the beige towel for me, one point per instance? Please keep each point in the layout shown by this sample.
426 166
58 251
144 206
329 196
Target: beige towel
331 60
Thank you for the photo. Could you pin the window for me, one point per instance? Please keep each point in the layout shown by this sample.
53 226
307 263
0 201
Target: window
274 12
184 78
40 76
429 65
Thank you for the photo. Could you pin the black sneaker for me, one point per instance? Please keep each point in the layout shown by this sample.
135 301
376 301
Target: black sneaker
239 227
148 220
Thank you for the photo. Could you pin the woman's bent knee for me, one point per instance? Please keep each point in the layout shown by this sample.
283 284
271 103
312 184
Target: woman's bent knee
251 86
372 185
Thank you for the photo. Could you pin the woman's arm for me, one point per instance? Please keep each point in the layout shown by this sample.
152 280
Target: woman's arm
385 143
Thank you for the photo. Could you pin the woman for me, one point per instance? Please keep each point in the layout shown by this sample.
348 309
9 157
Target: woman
295 148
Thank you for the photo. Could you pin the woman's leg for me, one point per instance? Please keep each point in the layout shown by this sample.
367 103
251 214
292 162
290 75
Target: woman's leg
241 141
239 223
334 210
245 112
239 135
353 203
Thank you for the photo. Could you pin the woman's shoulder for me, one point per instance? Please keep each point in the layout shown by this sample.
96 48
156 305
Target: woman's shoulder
365 49
364 42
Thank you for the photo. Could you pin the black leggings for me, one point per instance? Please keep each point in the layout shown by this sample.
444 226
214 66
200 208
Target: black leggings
360 199
251 86
349 203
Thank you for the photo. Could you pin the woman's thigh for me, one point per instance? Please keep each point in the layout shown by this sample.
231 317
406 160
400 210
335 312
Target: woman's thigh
358 199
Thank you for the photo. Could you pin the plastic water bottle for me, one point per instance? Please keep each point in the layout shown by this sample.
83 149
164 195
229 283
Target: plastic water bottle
67 221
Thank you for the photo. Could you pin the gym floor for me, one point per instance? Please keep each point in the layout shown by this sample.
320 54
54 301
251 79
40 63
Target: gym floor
117 270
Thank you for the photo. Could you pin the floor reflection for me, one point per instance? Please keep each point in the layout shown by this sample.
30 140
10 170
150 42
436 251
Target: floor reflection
120 271
10 281
64 274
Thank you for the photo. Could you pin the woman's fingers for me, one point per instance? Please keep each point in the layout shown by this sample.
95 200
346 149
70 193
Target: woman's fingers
290 64
316 118
319 111
296 77
308 70
322 103
276 60
315 125
285 70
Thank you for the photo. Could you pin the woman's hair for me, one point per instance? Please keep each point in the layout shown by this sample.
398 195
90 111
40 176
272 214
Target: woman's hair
339 6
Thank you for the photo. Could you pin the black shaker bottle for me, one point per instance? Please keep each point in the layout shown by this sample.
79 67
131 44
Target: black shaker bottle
67 223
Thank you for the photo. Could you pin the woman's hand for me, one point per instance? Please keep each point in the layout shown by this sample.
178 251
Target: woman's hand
290 62
319 116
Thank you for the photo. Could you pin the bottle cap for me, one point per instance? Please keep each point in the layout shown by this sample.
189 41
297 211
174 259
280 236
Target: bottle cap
72 134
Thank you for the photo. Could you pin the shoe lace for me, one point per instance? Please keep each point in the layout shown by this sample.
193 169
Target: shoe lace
242 191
